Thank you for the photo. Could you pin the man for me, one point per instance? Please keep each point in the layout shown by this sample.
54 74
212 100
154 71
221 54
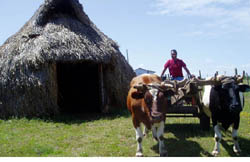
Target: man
175 66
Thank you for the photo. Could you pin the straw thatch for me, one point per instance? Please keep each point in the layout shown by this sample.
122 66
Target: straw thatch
59 32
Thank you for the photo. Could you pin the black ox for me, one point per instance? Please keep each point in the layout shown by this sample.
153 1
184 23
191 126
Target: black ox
225 101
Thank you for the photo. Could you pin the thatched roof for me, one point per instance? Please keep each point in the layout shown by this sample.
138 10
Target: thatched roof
63 24
59 31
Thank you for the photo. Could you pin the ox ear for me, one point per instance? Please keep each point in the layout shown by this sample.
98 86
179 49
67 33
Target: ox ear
137 95
244 88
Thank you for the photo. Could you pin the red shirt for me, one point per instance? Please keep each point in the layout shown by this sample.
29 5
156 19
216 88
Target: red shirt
175 67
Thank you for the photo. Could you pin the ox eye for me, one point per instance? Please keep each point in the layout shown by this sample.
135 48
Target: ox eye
148 101
225 86
148 98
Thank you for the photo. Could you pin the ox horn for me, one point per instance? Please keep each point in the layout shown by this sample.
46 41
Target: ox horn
167 85
144 87
141 87
219 78
161 87
176 82
240 78
211 81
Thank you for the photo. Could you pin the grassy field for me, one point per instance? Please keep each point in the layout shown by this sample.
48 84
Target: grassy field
93 135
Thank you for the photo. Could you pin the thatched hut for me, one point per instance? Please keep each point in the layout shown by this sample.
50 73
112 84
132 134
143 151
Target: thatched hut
60 62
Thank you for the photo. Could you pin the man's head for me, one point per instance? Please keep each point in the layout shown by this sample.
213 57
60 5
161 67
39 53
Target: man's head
173 54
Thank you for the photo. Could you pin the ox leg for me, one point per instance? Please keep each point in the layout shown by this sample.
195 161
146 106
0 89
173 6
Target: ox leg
217 137
139 137
154 132
158 131
145 132
236 146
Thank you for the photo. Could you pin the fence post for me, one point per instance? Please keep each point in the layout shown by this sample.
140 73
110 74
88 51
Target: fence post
247 79
236 72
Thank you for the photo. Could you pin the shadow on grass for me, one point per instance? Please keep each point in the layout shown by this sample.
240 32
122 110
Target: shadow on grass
180 146
244 145
79 118
183 131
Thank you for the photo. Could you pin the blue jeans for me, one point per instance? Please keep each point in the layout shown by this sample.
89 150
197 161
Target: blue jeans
177 78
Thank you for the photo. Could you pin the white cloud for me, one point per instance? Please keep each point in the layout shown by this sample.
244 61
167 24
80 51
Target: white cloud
199 7
223 15
140 66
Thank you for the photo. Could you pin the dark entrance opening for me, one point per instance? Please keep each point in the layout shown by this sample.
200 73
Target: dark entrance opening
78 88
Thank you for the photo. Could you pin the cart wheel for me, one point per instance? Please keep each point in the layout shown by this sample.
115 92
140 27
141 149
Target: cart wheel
204 122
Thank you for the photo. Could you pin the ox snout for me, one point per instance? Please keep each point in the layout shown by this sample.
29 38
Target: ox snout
235 108
156 117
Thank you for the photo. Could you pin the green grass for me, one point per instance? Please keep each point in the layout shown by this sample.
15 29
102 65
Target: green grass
92 135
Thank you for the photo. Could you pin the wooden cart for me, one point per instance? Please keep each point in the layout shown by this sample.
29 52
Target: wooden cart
188 103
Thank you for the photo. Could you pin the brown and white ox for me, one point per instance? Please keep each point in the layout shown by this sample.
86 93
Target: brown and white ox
147 101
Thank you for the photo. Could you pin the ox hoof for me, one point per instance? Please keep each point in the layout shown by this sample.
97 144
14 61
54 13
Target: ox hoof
215 153
139 154
164 154
156 139
236 150
145 133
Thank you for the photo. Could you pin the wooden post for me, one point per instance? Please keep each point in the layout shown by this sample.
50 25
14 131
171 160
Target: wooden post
247 79
236 72
101 88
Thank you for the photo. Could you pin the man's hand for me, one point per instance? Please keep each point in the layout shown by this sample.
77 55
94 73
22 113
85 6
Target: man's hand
191 76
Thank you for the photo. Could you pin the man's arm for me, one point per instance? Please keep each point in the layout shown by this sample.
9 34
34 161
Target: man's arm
188 72
186 69
163 71
165 68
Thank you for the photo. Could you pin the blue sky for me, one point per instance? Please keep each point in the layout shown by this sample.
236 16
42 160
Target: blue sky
209 35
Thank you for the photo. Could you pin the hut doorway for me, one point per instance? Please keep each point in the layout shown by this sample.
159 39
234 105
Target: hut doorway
78 88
